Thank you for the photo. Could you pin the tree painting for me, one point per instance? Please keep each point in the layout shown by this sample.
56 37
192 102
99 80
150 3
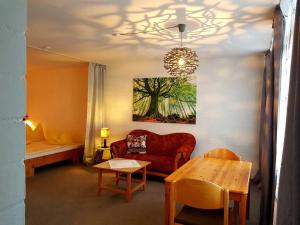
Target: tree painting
165 100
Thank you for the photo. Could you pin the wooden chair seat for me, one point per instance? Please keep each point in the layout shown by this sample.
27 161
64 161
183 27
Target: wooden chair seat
193 216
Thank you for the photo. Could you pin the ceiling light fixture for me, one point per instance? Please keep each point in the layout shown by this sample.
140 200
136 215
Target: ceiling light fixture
181 61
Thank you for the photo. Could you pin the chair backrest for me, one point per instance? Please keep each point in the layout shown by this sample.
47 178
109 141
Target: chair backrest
202 194
222 153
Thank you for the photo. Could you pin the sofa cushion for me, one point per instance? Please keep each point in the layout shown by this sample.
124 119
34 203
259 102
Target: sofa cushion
154 141
158 162
136 144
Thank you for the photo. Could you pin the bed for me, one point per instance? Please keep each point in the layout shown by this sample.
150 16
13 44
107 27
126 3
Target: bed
41 153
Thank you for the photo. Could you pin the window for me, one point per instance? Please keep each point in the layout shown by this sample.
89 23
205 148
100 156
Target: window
283 92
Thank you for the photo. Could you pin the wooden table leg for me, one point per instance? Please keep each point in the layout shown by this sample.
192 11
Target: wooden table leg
235 212
128 187
144 179
243 209
117 178
248 204
99 182
167 203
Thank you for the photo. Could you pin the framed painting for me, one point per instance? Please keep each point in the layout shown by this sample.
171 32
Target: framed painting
165 100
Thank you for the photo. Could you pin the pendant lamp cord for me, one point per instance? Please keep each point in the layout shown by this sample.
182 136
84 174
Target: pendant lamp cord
180 39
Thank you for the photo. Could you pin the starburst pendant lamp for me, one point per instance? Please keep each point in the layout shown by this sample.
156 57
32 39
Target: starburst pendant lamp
181 61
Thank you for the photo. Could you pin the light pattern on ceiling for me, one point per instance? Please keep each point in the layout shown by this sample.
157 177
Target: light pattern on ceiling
84 28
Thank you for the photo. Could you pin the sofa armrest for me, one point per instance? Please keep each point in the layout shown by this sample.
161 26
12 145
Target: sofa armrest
178 156
185 151
119 148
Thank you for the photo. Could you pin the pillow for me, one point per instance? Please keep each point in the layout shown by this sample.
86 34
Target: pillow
57 137
35 135
52 136
65 139
136 144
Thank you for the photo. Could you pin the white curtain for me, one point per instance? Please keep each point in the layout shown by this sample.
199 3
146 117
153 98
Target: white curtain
95 112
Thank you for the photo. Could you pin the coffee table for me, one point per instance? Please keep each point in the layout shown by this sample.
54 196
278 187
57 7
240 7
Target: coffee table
105 166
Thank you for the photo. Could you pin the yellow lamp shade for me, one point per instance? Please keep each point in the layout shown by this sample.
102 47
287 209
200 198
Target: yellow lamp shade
104 132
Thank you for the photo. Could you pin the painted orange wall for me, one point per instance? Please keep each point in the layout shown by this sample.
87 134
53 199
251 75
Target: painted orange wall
57 92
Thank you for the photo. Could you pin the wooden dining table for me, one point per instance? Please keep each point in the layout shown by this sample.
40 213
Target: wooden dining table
231 175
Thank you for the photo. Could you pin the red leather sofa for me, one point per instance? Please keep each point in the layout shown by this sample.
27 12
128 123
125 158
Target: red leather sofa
165 152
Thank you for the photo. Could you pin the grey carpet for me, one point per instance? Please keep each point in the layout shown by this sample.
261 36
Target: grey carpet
64 194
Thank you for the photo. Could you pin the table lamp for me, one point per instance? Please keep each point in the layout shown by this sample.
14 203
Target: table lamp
104 134
29 122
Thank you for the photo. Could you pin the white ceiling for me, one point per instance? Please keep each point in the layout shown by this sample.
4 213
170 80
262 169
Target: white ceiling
83 28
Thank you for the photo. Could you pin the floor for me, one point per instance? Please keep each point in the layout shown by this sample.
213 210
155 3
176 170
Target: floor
64 194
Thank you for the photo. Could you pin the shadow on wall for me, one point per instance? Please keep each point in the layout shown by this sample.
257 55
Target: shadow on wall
215 25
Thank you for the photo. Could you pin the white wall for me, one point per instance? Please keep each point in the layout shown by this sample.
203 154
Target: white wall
228 103
12 109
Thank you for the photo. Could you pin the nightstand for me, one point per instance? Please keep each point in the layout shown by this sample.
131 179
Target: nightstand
102 154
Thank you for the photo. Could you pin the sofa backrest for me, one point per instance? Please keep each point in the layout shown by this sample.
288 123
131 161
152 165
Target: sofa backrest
165 144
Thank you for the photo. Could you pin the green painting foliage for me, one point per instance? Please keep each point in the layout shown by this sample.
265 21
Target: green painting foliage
165 99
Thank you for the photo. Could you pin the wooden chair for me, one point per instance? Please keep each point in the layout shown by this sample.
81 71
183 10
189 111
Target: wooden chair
222 153
205 203
225 153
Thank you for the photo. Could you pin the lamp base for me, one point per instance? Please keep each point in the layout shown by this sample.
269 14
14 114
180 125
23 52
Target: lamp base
104 144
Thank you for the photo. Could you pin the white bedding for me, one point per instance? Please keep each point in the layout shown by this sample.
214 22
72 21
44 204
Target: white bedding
42 148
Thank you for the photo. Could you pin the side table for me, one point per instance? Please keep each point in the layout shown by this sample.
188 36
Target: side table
130 187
